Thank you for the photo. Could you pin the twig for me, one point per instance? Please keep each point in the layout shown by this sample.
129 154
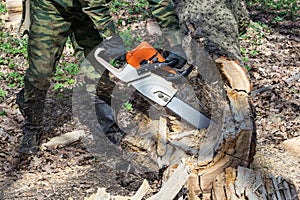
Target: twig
270 87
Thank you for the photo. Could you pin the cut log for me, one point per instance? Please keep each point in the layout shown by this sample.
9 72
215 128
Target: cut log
221 155
228 142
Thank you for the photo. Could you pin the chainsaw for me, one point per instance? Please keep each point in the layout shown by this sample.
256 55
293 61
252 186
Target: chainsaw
138 71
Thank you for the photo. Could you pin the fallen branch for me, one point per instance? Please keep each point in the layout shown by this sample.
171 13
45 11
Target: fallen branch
63 140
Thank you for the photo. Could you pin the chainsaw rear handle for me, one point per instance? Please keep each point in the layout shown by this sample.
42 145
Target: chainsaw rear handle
180 74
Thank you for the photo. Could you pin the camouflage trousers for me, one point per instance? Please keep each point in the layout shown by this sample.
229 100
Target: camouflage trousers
52 22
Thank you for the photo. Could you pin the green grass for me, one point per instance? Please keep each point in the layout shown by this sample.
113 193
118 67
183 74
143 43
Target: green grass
130 39
131 11
15 79
12 45
2 94
13 51
255 36
65 75
282 8
2 8
128 106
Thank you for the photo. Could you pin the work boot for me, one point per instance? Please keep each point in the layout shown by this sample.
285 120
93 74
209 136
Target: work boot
105 116
32 111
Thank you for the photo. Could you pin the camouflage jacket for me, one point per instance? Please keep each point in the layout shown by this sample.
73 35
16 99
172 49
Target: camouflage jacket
162 10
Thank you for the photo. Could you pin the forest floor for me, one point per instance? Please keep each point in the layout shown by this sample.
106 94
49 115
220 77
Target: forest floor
272 55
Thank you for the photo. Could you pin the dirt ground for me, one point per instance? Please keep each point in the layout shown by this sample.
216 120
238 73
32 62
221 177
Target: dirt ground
276 95
73 172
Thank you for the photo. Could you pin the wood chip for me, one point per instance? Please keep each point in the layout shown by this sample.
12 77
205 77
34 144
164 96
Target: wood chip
162 137
193 187
119 198
184 147
100 195
174 184
142 191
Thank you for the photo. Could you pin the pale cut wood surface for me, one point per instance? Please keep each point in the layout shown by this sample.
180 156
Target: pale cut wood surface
235 74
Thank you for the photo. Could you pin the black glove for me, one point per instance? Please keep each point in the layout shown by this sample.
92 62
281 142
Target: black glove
114 46
175 57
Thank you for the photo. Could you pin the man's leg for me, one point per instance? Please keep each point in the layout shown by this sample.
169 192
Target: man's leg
48 33
97 85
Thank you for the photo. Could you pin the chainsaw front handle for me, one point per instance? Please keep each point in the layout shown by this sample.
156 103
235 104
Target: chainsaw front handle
126 74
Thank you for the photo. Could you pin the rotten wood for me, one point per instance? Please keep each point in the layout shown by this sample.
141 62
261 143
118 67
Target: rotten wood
244 183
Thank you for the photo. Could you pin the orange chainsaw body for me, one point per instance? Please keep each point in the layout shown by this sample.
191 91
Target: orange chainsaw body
143 52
